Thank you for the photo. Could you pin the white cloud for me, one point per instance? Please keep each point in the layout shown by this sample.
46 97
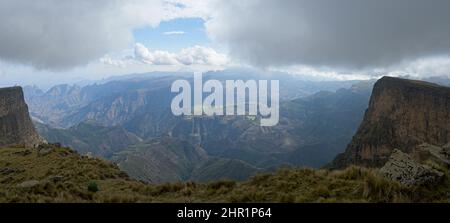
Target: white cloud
171 33
107 59
420 68
202 55
323 74
196 55
157 57
423 67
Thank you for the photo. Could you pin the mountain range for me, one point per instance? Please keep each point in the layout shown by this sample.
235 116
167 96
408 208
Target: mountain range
128 121
122 119
414 164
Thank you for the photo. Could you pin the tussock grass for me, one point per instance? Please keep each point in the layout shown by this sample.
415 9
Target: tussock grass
65 176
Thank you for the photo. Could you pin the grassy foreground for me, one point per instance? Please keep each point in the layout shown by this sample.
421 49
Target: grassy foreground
56 174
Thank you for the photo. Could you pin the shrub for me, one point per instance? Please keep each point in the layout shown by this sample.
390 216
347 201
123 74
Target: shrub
167 188
321 191
221 184
286 198
93 187
247 196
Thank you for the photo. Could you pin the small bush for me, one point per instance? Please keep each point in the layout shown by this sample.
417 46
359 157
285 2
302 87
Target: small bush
286 198
260 179
248 196
167 188
321 191
93 187
221 184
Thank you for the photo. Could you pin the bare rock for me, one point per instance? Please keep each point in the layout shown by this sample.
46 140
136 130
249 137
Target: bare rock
440 155
402 114
16 127
403 169
28 184
45 151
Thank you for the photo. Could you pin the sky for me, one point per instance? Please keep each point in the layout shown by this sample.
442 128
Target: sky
173 35
62 41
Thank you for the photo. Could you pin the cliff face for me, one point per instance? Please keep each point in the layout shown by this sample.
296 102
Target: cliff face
16 127
401 115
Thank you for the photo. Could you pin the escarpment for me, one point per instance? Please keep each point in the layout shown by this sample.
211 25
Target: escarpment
401 115
16 127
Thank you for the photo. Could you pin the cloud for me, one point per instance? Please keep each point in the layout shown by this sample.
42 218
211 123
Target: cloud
202 55
322 74
61 34
107 59
420 68
423 67
158 57
196 55
347 33
358 35
171 33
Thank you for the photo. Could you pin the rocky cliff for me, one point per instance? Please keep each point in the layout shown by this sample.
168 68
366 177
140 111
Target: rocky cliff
401 115
15 123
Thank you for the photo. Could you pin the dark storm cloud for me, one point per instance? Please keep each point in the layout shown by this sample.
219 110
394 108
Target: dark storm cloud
53 34
346 33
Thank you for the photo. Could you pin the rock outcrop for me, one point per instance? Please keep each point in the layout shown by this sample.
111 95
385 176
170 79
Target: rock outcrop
439 155
16 127
405 170
402 114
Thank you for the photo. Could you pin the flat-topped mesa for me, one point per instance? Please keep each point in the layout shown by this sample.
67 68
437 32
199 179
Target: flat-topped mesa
401 115
16 127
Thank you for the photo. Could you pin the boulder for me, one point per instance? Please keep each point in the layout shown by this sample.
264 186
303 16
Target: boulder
405 170
45 151
28 184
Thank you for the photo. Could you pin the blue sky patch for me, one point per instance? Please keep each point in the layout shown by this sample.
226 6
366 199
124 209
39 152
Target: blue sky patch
157 38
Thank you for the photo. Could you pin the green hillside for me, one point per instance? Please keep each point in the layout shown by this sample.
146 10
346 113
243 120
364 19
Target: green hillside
171 160
90 137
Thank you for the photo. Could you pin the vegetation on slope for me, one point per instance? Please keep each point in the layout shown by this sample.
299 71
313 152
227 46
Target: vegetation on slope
90 137
55 174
